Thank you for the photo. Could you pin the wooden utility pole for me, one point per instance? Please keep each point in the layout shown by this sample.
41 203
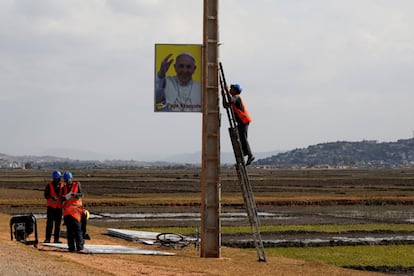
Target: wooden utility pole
210 246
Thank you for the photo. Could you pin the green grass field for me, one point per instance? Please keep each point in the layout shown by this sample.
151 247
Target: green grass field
345 256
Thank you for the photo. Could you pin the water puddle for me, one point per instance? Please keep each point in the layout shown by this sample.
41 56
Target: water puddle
328 241
174 216
405 217
380 215
178 216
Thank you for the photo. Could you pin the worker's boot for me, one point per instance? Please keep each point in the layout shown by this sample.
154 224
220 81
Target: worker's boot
249 160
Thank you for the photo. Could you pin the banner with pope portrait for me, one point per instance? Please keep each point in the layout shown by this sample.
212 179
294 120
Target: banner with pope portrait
178 78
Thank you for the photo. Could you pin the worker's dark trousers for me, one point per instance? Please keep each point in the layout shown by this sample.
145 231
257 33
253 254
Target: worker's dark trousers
54 216
243 138
74 234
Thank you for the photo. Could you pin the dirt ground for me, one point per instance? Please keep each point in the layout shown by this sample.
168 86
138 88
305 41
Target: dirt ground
305 196
19 259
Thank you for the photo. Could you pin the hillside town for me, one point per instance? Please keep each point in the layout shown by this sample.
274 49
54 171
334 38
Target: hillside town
342 154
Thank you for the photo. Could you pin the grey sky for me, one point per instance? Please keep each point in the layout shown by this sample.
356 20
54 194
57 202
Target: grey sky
79 74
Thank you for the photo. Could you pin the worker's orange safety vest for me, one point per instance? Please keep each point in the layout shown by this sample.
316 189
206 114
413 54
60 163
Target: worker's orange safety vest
54 199
242 114
73 206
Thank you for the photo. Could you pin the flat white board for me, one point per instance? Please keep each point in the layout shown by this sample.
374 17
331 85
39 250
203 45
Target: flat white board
113 249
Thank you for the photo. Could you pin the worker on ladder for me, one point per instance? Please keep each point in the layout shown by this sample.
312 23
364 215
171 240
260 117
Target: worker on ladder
243 120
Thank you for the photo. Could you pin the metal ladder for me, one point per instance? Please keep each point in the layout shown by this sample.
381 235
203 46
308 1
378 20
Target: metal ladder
242 174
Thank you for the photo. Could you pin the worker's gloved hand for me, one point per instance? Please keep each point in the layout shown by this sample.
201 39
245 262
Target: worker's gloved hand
68 195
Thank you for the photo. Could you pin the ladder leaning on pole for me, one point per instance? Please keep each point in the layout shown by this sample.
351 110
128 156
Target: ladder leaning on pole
241 169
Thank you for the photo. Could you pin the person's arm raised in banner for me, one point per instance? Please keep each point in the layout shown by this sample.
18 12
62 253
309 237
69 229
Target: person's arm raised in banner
160 78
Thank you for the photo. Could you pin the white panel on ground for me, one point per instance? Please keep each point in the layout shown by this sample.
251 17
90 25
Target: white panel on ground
141 236
131 235
112 249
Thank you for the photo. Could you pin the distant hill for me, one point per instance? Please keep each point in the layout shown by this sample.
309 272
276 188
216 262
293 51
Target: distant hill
364 154
31 161
347 154
82 159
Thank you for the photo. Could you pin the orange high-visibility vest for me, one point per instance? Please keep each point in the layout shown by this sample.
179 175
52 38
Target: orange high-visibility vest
54 199
242 114
73 206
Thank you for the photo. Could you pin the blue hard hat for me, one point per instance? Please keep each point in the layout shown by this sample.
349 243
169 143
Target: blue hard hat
67 176
237 86
56 175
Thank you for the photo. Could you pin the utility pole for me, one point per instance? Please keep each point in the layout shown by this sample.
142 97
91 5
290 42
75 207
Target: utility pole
210 246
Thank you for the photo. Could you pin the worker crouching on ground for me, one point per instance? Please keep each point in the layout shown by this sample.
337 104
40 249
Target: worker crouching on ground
53 193
73 212
84 221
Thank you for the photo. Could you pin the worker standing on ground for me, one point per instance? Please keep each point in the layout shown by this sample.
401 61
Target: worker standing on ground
243 120
73 212
53 193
